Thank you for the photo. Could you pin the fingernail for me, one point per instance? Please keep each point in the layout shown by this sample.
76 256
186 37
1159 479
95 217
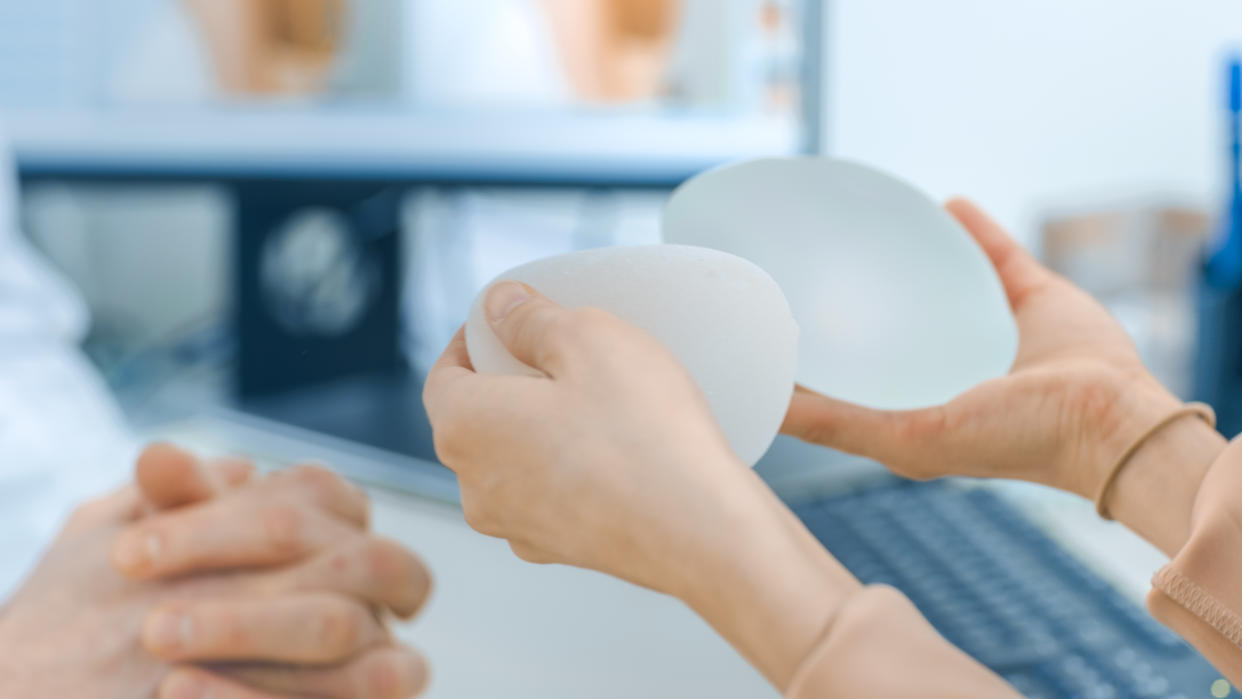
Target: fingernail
170 631
503 298
135 552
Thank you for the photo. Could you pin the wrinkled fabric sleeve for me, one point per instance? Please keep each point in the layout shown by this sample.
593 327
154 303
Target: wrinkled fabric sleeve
1199 593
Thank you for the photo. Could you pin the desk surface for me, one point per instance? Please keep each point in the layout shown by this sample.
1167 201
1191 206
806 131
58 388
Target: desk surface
497 626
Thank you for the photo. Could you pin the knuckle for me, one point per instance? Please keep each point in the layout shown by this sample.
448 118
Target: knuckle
477 515
342 628
574 332
449 438
562 330
224 629
592 325
393 674
529 553
386 560
404 581
285 527
923 425
320 482
594 320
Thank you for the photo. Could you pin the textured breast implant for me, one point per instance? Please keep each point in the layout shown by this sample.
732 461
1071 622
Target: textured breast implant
723 317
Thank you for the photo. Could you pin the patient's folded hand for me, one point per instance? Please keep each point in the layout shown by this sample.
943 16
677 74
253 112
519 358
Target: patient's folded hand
203 580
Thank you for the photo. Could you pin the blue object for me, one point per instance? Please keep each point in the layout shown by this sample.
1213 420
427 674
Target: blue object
1218 360
1224 264
1002 591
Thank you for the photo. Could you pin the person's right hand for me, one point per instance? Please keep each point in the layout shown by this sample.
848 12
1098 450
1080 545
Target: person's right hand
242 590
612 460
1076 397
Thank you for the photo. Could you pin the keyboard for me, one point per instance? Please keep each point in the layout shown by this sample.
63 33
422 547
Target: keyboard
1002 591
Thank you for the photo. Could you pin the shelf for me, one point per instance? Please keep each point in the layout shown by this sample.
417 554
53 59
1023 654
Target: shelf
482 147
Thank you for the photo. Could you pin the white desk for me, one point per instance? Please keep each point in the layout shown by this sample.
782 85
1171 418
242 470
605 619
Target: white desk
499 627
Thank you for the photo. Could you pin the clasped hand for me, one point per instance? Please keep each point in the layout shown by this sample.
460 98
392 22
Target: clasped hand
203 580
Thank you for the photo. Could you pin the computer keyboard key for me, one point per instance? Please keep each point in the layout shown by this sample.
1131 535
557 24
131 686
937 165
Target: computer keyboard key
997 587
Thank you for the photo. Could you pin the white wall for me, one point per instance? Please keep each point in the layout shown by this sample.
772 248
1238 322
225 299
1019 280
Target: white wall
1025 104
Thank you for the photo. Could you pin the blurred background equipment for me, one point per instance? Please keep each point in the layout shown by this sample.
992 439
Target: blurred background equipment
1140 260
270 46
614 50
1218 361
328 183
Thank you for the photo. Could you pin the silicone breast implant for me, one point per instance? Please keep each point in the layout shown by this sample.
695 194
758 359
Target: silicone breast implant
722 316
899 307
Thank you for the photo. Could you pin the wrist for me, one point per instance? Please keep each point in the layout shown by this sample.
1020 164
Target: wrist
1110 416
766 584
1155 490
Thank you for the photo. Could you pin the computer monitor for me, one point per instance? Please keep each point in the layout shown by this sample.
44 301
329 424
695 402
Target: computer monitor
425 144
605 91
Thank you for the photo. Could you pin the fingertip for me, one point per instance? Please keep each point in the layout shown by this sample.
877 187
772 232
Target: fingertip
134 552
420 673
161 462
398 674
981 226
958 203
503 298
235 471
169 476
528 324
419 592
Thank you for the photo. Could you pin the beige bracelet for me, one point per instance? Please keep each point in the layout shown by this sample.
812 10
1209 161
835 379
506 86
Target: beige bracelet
1202 410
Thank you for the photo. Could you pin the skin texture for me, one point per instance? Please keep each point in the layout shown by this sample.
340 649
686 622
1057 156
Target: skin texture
612 461
203 580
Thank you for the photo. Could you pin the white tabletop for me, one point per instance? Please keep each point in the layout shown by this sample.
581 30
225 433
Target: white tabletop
497 626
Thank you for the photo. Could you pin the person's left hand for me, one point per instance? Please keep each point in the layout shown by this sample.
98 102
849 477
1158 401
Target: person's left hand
246 590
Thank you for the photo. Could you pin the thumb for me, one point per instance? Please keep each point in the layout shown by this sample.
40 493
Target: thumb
169 477
527 323
910 442
1019 272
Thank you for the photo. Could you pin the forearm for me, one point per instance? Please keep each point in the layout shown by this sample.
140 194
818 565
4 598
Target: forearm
767 585
807 624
